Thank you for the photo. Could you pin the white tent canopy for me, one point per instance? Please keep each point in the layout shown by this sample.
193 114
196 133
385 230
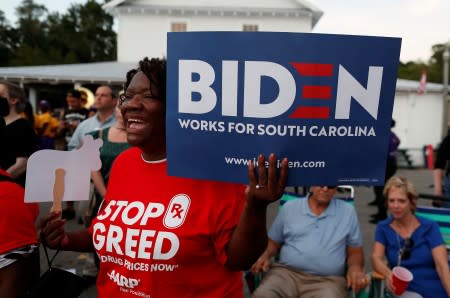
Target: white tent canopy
84 73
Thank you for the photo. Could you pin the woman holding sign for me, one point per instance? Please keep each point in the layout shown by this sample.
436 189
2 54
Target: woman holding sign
410 242
164 236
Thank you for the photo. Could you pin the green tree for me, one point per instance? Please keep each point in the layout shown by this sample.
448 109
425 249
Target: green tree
87 34
412 70
436 64
8 40
32 30
83 34
99 39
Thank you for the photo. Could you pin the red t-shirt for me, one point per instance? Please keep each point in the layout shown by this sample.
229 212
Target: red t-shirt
17 219
163 236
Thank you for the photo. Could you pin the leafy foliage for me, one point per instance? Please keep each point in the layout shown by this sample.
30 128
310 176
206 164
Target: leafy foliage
83 34
434 67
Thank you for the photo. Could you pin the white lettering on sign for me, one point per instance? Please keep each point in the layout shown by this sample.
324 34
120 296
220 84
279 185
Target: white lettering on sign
347 88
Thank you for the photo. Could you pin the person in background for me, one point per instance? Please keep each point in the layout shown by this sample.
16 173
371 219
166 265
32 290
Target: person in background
411 242
28 113
391 168
170 236
114 142
319 241
46 126
19 254
441 173
72 116
20 140
105 102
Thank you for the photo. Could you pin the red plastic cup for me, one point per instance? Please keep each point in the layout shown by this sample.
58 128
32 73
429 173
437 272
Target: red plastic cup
401 277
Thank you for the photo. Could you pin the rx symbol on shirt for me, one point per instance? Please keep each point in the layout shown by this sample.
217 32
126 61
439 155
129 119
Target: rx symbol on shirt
177 211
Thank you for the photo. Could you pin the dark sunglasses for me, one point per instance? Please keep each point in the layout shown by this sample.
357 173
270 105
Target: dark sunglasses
329 186
406 250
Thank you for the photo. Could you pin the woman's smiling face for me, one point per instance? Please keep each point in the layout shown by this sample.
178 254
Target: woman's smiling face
144 114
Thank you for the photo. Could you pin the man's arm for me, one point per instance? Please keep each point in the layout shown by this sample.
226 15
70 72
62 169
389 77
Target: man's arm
437 181
263 262
249 239
18 168
440 163
356 278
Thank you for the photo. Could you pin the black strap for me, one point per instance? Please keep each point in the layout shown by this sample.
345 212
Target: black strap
44 245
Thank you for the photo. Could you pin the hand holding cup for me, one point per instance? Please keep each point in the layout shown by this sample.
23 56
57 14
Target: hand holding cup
401 277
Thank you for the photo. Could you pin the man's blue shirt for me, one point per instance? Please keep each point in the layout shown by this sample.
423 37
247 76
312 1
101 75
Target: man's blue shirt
316 244
87 126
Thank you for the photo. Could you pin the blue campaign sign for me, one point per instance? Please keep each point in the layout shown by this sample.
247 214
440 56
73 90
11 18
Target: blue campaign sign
323 101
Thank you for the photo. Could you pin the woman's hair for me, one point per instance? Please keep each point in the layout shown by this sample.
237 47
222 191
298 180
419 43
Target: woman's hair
155 70
405 185
15 91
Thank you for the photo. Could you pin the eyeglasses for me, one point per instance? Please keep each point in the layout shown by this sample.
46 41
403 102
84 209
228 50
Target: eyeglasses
124 98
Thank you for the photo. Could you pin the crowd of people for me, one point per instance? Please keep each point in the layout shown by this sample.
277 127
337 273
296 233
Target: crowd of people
163 236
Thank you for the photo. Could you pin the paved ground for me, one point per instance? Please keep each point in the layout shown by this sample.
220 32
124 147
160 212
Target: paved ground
421 178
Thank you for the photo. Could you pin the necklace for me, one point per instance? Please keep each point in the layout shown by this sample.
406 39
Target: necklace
152 161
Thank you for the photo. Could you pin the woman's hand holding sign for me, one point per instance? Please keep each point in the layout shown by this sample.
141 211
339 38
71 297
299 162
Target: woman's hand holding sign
267 186
52 232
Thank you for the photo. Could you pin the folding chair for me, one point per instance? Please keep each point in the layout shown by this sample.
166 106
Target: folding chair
442 217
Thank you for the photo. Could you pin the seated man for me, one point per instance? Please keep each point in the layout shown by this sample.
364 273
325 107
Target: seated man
320 240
